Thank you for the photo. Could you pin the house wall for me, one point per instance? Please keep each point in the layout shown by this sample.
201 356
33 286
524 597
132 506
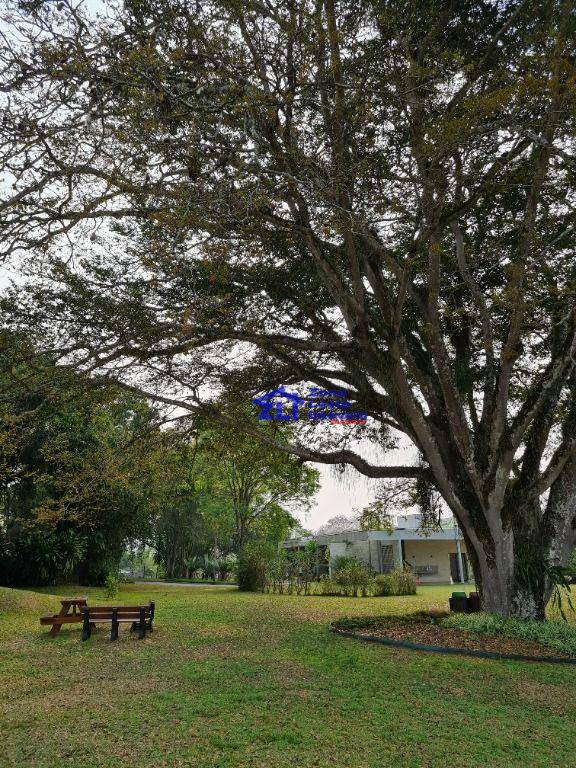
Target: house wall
435 552
365 551
358 549
432 553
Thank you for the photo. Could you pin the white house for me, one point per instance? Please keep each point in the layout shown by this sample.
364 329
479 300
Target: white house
435 558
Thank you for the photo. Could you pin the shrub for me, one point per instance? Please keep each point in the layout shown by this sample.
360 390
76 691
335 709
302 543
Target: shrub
327 586
227 565
555 634
254 564
398 582
111 585
304 567
351 575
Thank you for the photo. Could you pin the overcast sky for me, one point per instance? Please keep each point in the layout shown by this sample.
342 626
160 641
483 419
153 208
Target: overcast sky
340 495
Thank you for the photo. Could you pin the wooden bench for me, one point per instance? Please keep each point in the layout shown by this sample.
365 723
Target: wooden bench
139 616
70 613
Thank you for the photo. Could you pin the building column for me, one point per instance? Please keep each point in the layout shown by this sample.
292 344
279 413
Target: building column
398 562
460 563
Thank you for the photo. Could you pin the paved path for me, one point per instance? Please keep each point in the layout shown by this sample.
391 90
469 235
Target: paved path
183 584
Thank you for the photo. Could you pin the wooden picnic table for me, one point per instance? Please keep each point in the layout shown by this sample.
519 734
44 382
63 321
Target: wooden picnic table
70 613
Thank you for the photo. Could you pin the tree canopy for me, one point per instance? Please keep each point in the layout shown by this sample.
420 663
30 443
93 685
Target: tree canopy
223 197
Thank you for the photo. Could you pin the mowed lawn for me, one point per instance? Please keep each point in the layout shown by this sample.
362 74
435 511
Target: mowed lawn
229 680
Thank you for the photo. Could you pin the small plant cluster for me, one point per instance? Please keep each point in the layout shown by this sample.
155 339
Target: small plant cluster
262 567
208 568
111 585
559 635
351 578
398 582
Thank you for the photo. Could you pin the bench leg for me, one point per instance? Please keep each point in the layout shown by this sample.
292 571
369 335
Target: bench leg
55 629
86 627
114 629
142 624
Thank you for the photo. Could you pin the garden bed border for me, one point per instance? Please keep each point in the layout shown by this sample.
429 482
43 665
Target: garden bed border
450 649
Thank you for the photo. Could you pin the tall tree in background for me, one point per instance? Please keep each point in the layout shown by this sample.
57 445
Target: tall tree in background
370 195
262 484
180 532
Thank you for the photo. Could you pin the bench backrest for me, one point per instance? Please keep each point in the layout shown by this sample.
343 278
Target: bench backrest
123 612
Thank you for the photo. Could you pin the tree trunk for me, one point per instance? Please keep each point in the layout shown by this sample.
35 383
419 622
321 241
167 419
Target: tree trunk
514 582
501 593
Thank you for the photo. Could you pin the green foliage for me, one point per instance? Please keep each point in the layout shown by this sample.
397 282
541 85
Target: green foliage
38 554
230 581
259 483
79 471
210 568
296 572
181 533
227 488
351 575
376 517
84 470
397 582
138 561
111 585
559 635
293 572
254 565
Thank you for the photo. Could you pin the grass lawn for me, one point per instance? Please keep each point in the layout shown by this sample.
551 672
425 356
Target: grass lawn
231 680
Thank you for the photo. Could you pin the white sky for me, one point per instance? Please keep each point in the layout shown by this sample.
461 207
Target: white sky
341 495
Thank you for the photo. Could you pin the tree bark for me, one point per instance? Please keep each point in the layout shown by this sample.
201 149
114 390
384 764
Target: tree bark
516 577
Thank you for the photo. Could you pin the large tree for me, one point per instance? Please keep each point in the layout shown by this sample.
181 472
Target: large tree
370 195
262 484
79 471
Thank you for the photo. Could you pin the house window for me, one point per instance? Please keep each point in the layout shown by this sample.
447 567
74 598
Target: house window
387 557
425 570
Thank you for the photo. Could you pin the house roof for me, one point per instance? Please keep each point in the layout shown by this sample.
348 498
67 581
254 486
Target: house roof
398 534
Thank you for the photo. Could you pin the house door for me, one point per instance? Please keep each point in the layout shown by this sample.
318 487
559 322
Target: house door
386 558
454 568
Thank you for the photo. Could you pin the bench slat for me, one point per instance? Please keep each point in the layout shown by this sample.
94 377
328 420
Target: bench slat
46 620
118 607
113 607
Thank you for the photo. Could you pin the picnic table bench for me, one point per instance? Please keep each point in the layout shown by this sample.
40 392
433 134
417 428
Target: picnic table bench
70 613
139 616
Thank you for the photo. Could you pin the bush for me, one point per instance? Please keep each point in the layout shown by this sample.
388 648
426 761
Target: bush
351 575
398 582
227 566
555 634
255 562
111 585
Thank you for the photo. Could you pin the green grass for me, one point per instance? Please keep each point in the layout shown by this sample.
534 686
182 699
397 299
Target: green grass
185 581
236 680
